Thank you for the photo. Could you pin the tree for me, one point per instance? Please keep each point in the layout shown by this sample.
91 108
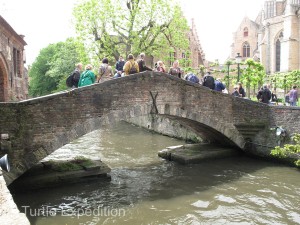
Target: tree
114 27
52 66
253 75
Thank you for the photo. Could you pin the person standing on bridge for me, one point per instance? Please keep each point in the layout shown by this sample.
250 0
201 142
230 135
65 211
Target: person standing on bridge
105 71
142 64
241 90
76 74
131 67
175 69
87 77
209 81
293 96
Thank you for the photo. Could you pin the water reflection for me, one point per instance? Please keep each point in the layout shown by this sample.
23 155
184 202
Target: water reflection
148 190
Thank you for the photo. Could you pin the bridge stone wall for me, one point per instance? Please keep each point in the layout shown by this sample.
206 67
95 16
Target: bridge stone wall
37 127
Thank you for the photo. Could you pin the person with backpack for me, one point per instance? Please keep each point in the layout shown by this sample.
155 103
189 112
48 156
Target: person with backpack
209 81
264 95
241 90
105 72
131 67
73 78
87 77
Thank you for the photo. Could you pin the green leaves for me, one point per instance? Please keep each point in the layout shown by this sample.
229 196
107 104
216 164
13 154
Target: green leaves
119 27
289 149
51 68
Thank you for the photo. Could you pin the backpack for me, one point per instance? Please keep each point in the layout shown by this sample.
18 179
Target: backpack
209 82
69 81
132 69
193 78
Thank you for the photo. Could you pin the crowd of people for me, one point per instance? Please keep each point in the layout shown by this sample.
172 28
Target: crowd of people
132 66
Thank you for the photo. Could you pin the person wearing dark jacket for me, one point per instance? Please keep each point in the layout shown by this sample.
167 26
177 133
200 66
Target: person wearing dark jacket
119 67
142 63
208 81
241 90
264 95
76 74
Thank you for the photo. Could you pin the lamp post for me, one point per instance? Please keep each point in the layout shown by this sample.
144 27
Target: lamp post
228 63
238 60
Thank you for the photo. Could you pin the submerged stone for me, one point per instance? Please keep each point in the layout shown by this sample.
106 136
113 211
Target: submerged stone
195 153
55 173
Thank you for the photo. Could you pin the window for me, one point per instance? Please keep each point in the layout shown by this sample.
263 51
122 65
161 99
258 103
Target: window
246 49
278 52
17 62
245 32
270 8
172 57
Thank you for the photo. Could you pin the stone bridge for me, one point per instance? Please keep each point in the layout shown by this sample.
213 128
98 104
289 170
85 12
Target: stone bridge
32 129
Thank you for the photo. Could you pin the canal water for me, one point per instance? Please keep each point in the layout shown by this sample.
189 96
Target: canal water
145 189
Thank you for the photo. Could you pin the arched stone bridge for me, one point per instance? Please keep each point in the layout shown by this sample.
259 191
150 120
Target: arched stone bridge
32 129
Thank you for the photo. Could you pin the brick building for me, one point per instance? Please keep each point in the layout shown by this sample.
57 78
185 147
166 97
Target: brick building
13 74
273 38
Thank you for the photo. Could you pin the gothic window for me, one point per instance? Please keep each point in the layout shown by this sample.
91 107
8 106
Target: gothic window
245 32
278 52
246 49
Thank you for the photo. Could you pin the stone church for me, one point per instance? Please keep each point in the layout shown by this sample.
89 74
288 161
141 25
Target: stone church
273 38
13 74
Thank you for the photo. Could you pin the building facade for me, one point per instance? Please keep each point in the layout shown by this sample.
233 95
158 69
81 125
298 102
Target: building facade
13 74
273 38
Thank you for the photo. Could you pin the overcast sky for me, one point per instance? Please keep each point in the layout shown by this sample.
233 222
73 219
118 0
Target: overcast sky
44 22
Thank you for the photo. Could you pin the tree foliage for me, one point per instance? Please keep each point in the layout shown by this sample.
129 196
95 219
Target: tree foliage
54 63
289 149
286 80
253 75
119 27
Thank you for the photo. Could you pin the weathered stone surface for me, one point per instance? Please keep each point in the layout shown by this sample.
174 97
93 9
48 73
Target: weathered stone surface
9 212
195 153
45 175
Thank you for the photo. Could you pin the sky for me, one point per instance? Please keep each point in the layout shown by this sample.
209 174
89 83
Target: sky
49 21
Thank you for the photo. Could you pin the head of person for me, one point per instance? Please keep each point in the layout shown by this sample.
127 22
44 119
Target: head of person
160 63
121 58
130 56
88 67
142 55
265 86
240 84
236 87
79 66
294 87
105 60
175 63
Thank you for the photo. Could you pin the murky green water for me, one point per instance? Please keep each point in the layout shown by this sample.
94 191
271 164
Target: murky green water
144 189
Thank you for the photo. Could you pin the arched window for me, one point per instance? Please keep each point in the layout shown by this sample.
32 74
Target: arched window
246 49
245 32
278 51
